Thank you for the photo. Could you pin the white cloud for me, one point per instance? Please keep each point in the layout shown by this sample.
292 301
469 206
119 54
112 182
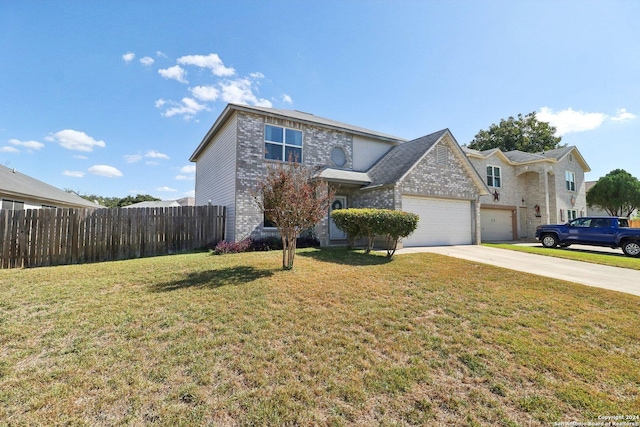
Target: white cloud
128 57
73 174
287 99
205 93
188 169
80 157
156 155
175 73
569 120
187 108
7 149
211 61
240 91
132 158
152 163
256 75
166 189
75 140
184 178
160 103
105 170
30 145
147 61
190 193
160 54
623 115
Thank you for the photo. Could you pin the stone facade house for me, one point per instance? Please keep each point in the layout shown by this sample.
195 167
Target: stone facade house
430 176
529 189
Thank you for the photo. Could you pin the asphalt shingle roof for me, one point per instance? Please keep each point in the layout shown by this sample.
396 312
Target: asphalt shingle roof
401 158
15 183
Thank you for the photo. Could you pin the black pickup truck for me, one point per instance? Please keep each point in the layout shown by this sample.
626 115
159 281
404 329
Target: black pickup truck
612 232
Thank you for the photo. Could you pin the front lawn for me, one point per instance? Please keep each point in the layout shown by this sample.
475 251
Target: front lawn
586 255
343 339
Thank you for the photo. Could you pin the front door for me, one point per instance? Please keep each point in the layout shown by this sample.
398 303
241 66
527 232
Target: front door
339 202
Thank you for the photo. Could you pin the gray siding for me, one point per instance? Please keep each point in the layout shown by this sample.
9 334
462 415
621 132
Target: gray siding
367 151
216 174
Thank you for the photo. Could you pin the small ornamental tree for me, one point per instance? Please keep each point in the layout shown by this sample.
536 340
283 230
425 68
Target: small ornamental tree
293 201
369 223
618 193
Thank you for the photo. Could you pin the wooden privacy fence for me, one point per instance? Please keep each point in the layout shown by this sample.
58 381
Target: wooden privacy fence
45 237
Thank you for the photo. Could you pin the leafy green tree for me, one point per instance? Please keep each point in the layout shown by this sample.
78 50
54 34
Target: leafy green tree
293 201
526 133
115 202
618 193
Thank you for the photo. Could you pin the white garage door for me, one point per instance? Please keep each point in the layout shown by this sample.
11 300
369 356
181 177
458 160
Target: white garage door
442 221
496 225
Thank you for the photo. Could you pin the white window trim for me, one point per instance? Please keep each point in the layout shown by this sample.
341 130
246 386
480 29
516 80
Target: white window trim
493 176
567 181
283 143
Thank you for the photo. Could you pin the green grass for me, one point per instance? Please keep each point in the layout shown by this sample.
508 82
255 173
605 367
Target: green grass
595 257
343 339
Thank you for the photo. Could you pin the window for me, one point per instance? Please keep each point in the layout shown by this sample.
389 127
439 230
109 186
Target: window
572 214
12 204
493 176
570 178
282 144
338 156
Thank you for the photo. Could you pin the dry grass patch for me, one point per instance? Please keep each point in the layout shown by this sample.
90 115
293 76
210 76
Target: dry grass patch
343 339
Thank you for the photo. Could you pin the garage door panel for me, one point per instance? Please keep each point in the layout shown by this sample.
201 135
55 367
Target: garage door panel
442 221
497 225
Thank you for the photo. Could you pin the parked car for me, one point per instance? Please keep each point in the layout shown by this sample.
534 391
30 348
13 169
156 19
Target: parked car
612 232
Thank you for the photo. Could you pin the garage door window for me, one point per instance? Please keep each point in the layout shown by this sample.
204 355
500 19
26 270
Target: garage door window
493 176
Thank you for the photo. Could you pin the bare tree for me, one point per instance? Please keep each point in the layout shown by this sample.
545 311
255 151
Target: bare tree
293 200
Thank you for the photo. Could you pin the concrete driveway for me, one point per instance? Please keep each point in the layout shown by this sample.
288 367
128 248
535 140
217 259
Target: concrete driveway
601 276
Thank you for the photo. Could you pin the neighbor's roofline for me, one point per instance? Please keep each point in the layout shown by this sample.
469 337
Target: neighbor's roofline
479 155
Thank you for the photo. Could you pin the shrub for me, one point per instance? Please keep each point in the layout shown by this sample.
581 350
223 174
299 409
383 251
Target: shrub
224 247
369 223
275 243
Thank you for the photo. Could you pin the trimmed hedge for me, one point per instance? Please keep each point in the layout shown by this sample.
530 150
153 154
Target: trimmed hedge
369 223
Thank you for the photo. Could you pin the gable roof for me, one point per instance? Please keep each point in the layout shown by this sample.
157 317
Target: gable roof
296 115
19 185
517 157
401 159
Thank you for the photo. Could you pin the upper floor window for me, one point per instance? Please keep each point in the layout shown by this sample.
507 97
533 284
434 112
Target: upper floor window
570 178
493 176
282 144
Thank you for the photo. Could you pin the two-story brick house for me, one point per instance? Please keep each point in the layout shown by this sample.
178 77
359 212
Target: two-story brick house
430 176
529 189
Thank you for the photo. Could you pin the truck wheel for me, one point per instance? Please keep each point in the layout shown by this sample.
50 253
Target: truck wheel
549 241
631 248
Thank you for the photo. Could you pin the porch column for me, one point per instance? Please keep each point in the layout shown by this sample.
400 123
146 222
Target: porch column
546 197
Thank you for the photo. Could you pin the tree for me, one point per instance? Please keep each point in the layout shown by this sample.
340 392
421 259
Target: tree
524 133
618 193
293 201
115 202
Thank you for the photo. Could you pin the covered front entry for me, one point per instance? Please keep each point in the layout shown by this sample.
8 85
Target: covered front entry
442 221
497 225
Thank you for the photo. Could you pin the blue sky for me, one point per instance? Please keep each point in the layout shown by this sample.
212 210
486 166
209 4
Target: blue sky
112 97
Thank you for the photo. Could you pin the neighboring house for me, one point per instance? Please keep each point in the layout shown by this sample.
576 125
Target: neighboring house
430 176
20 191
529 189
185 201
597 210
